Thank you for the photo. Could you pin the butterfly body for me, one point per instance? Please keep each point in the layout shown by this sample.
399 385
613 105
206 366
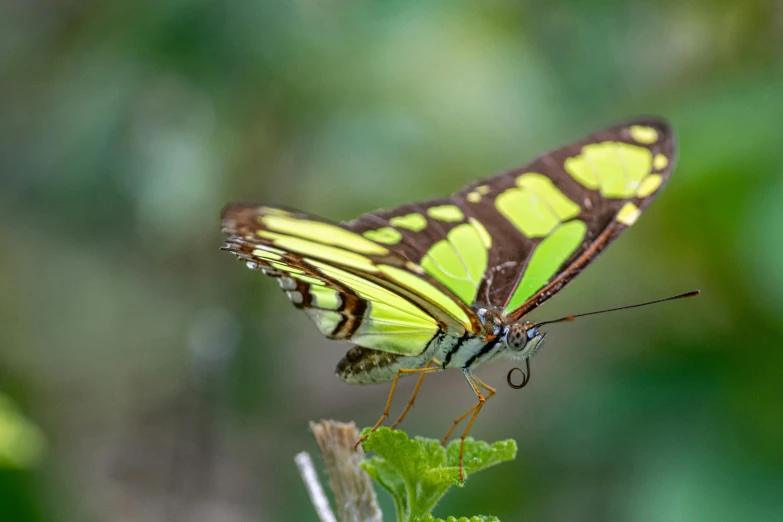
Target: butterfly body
447 283
367 366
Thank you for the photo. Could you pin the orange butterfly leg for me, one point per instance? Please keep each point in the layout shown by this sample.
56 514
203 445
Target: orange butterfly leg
474 382
413 395
402 371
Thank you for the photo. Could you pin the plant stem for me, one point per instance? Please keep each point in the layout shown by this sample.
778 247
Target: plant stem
317 496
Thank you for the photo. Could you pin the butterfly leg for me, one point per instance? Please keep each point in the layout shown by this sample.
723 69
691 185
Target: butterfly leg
474 382
413 396
491 391
400 372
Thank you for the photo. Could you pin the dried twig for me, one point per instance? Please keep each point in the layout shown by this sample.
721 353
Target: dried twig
351 485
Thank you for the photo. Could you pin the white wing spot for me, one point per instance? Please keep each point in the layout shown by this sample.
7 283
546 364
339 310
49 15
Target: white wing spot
287 283
295 297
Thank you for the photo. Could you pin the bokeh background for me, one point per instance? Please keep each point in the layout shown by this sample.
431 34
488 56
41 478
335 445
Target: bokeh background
146 376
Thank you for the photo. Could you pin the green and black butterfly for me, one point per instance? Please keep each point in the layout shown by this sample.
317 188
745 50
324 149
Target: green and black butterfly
447 283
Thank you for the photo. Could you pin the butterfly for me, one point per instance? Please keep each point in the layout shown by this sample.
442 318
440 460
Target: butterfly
447 283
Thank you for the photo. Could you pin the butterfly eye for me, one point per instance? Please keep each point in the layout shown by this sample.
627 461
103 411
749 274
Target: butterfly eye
516 337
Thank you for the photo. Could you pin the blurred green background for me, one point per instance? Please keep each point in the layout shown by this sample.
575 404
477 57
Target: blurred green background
146 376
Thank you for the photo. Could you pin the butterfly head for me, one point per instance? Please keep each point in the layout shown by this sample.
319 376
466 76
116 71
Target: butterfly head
523 339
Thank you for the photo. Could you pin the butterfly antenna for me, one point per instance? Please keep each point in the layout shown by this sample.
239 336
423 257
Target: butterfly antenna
692 293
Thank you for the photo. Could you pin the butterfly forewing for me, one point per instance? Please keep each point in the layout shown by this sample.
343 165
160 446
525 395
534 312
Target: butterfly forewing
612 175
512 241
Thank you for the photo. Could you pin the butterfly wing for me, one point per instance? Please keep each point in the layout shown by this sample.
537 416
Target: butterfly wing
353 288
392 280
512 241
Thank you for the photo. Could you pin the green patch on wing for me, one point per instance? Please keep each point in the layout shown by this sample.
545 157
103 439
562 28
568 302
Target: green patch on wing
386 235
615 168
536 206
391 330
548 256
324 233
393 323
414 222
323 297
420 287
459 261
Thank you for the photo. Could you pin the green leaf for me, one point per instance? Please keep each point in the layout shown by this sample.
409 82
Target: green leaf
479 455
389 478
477 518
418 472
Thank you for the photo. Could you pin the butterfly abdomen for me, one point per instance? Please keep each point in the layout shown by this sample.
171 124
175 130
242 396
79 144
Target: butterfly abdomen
367 366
